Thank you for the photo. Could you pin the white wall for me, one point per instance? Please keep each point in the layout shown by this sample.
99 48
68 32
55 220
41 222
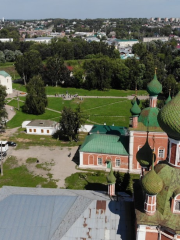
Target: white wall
38 130
85 128
6 81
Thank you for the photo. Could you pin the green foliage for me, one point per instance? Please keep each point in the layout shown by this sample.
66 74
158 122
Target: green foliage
36 99
3 113
71 121
2 57
28 65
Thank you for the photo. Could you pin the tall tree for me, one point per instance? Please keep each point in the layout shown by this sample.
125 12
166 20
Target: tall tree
28 65
71 121
36 99
3 113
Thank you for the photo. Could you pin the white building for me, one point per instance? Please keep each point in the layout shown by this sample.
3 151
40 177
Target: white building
42 127
6 39
39 39
6 80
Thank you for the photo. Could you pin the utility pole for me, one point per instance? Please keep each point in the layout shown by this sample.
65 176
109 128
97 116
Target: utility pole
1 161
17 100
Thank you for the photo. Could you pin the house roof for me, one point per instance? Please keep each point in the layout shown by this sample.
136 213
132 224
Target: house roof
112 130
163 216
106 144
5 74
41 123
51 214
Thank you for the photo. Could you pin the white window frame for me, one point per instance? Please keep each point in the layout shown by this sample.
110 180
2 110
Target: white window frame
118 165
175 202
100 158
161 152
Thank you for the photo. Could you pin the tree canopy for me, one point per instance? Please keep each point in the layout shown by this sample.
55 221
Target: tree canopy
3 113
36 99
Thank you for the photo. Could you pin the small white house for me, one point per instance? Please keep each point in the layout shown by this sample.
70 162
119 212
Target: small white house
6 80
3 146
42 127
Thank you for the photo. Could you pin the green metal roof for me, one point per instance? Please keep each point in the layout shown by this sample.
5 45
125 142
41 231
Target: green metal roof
163 216
112 130
169 117
106 144
148 117
3 73
154 87
135 110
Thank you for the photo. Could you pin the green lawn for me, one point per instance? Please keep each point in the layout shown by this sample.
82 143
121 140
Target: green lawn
83 92
111 111
15 175
17 120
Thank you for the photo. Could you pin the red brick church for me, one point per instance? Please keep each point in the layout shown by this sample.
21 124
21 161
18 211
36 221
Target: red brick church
120 144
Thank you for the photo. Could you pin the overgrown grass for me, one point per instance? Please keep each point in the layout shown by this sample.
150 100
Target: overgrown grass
96 180
9 68
15 175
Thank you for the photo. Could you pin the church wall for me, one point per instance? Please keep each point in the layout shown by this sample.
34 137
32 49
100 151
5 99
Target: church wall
156 140
91 159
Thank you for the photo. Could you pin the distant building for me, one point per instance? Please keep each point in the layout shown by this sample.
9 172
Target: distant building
6 39
149 39
6 80
39 39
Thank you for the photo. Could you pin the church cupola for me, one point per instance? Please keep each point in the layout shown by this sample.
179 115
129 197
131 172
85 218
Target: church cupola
135 110
154 88
152 185
168 119
169 97
111 179
144 155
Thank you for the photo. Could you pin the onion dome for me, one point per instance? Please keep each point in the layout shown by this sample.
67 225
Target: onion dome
110 177
144 155
154 87
151 182
168 99
135 99
148 117
135 110
169 116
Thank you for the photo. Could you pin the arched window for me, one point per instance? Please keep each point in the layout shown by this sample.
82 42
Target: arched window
100 160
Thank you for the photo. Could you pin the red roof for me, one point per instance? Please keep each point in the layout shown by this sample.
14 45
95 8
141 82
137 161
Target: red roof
70 68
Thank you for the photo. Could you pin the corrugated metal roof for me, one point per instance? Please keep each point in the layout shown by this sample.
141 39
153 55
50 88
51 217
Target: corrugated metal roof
110 144
111 130
54 214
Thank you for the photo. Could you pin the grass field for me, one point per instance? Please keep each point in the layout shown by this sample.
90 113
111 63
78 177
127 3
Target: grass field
17 120
83 92
98 111
15 175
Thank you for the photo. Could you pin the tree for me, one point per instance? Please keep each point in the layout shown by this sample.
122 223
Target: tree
9 55
28 65
3 113
71 121
2 57
36 99
55 72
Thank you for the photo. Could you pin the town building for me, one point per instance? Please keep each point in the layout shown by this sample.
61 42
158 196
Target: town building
157 193
41 127
119 145
6 80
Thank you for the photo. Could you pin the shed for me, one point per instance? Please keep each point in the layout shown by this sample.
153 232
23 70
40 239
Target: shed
42 127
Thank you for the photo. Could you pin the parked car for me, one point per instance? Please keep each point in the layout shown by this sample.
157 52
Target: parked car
12 144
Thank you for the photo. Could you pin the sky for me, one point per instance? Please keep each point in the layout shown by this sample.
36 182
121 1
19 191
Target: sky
81 9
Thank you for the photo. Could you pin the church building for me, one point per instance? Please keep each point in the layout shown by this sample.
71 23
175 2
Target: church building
120 144
157 193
